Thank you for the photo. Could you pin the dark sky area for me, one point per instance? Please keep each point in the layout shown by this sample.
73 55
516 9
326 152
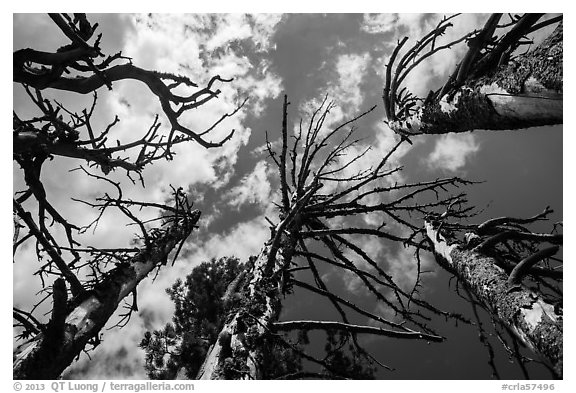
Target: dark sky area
305 56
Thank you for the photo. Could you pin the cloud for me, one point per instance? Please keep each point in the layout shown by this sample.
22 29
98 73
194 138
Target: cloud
453 151
345 88
234 27
201 46
351 70
264 26
260 88
244 240
410 24
369 154
253 188
115 358
375 249
174 43
434 70
379 23
118 357
403 266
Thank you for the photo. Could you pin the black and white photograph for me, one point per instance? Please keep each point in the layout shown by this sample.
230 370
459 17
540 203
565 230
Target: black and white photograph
287 196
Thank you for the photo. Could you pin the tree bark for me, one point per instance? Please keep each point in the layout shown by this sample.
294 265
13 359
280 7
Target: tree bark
524 92
237 352
526 313
49 353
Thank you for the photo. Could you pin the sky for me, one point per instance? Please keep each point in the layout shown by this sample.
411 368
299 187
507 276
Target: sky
305 56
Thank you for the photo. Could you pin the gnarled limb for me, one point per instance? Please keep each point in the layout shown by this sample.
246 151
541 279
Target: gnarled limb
77 321
493 272
489 89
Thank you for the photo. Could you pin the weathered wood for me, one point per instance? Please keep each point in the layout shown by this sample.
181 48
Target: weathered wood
526 313
47 355
525 92
237 352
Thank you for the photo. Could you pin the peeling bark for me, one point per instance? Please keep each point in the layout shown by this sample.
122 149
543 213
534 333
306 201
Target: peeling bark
533 320
525 92
48 354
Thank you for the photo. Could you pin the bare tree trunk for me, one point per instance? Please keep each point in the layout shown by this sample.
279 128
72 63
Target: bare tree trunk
305 215
523 92
536 322
237 353
76 322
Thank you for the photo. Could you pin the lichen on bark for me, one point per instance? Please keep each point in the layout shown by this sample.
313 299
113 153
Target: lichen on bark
523 92
525 312
545 64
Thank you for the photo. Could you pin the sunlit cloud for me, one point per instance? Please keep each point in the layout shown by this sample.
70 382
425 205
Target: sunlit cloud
435 68
253 188
453 151
375 249
199 46
345 89
117 357
379 23
155 306
403 266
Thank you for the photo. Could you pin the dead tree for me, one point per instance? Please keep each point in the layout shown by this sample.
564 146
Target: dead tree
323 203
493 87
86 283
74 68
81 308
511 272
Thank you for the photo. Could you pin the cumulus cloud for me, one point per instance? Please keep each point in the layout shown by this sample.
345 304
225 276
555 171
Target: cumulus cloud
178 44
116 357
369 154
253 188
201 46
436 68
403 266
243 240
397 23
264 25
351 70
344 89
453 151
379 23
375 249
234 27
